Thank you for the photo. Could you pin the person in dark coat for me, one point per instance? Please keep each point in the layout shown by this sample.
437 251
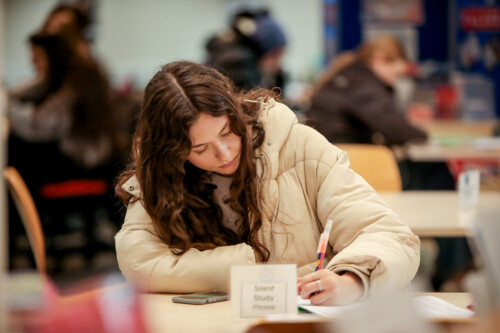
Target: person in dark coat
353 102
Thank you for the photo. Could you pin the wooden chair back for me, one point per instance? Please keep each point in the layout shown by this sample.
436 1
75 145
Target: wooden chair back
376 164
29 215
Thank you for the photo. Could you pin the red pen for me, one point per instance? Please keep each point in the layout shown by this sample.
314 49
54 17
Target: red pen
472 306
323 241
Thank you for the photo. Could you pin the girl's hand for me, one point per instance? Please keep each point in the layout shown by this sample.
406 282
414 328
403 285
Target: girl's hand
325 287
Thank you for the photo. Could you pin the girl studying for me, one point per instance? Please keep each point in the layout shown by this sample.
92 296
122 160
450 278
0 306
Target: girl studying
223 178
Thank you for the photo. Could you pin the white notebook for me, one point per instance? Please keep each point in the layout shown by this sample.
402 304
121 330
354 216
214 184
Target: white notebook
429 307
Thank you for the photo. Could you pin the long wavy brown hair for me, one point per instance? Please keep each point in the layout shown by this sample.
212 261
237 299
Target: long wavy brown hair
177 195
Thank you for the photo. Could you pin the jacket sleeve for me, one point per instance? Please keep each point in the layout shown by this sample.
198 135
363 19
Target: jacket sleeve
378 112
367 237
150 265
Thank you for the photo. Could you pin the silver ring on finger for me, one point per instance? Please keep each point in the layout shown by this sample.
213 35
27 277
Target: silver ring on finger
318 283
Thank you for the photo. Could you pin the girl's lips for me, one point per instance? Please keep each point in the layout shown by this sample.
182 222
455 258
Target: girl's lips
229 164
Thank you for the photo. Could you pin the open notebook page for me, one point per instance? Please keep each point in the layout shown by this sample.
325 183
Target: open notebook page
429 307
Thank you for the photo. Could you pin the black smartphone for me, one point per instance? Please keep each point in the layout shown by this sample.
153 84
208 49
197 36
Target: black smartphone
202 297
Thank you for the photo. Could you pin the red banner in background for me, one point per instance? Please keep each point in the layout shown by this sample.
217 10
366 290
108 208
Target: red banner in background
480 19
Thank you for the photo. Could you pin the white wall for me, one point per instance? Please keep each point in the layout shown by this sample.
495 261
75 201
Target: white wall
22 17
133 44
134 38
303 23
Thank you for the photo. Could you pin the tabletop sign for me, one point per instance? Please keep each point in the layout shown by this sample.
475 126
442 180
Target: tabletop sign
468 189
260 290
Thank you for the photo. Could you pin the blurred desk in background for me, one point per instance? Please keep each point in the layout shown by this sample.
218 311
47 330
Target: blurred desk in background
469 128
462 145
452 139
462 154
455 139
435 213
443 150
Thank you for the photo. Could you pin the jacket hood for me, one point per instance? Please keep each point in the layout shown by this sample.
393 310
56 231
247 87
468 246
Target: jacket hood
281 119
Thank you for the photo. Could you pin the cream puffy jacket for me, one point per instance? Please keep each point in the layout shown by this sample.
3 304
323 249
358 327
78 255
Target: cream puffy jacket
305 181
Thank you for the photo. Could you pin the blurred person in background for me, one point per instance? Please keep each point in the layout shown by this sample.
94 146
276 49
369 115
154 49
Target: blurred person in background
250 52
64 131
74 20
354 102
77 20
69 102
72 104
70 133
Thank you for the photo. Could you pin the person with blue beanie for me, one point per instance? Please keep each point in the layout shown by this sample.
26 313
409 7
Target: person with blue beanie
250 51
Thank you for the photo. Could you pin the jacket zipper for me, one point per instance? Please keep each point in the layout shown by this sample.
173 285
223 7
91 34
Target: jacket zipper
257 190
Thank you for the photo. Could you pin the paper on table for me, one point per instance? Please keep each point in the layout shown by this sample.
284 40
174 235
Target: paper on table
326 311
429 307
301 301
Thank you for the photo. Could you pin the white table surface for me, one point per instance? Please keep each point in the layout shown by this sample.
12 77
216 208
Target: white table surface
162 315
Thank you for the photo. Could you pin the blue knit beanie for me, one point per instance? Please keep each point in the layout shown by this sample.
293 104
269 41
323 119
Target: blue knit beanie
265 32
269 35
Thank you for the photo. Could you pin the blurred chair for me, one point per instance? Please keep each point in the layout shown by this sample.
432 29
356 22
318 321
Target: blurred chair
29 215
376 164
72 211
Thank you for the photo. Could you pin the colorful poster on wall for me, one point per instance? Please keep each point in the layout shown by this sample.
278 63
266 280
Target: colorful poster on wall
478 52
331 32
393 11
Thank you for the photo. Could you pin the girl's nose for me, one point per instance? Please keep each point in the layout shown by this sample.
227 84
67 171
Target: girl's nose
223 152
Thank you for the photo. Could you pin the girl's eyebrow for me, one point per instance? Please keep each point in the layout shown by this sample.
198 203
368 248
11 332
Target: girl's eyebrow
222 130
